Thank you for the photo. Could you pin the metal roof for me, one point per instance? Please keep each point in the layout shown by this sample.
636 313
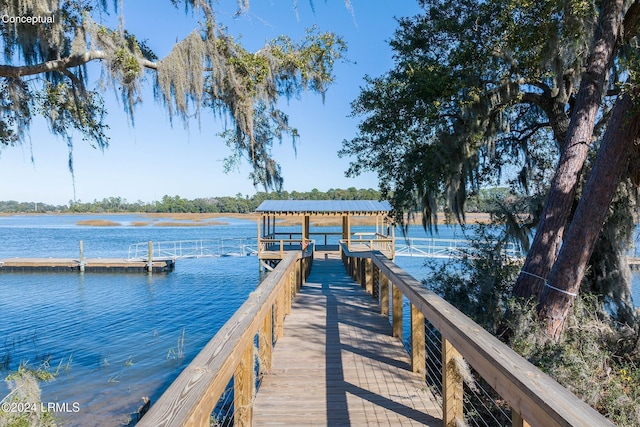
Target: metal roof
361 207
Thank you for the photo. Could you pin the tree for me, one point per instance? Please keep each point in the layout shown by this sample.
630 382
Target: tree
559 201
45 73
484 88
612 162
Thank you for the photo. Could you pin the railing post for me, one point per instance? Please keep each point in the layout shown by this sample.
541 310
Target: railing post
375 277
397 312
368 275
265 342
243 384
384 295
517 421
150 257
286 288
293 286
303 270
81 262
279 315
452 408
418 356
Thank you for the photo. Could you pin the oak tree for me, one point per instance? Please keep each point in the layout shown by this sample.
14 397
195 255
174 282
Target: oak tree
48 44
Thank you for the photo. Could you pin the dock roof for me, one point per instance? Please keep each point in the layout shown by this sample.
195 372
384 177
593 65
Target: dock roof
324 207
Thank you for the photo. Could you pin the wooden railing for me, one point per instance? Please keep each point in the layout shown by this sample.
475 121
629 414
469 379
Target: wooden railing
375 242
321 237
191 398
534 397
284 245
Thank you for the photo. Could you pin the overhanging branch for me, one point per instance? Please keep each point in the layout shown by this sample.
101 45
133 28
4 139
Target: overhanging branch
72 61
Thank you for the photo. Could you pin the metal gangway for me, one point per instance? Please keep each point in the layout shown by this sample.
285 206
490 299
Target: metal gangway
181 249
443 248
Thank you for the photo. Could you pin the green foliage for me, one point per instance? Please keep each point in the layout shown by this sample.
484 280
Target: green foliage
177 204
597 359
480 94
480 283
208 70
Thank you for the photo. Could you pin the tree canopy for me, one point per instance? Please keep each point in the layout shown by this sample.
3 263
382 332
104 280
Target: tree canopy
490 92
480 90
47 46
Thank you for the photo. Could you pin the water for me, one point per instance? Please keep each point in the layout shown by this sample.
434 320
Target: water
114 338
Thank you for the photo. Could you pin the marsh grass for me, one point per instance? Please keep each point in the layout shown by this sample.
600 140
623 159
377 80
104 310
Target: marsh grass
188 224
24 386
177 353
140 223
98 223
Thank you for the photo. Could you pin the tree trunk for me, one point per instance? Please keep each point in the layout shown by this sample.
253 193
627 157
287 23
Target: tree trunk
557 209
611 163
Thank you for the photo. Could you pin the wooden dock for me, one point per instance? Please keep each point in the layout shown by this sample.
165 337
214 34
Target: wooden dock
338 364
92 265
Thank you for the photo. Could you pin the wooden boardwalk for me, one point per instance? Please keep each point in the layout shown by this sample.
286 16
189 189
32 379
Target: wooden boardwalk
338 365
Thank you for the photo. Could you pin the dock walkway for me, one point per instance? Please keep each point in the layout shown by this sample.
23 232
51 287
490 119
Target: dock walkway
338 364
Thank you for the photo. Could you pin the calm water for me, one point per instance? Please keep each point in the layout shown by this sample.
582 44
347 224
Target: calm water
115 338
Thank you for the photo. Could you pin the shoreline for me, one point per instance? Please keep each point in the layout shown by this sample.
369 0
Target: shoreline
196 218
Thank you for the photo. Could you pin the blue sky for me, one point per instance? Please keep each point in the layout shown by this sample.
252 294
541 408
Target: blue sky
153 158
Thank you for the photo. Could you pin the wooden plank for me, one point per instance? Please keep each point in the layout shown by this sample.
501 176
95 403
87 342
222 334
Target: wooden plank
418 356
396 311
265 342
338 363
243 389
384 294
368 276
452 391
517 421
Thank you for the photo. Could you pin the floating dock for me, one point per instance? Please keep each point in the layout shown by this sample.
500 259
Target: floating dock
88 265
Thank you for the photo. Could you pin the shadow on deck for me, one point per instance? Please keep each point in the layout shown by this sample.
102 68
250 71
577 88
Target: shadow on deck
338 364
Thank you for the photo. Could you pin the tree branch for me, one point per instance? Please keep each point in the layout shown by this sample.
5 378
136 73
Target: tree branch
62 64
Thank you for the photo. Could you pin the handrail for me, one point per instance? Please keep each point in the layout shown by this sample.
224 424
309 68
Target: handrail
191 398
534 397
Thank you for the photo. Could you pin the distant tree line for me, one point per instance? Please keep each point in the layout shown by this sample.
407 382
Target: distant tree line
175 204
485 200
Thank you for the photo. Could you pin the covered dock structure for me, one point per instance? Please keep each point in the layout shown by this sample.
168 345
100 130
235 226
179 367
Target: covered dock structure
274 242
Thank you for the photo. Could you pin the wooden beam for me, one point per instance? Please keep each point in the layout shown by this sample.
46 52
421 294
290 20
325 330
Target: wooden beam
243 389
418 351
384 295
368 275
397 311
452 391
265 343
375 277
517 421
